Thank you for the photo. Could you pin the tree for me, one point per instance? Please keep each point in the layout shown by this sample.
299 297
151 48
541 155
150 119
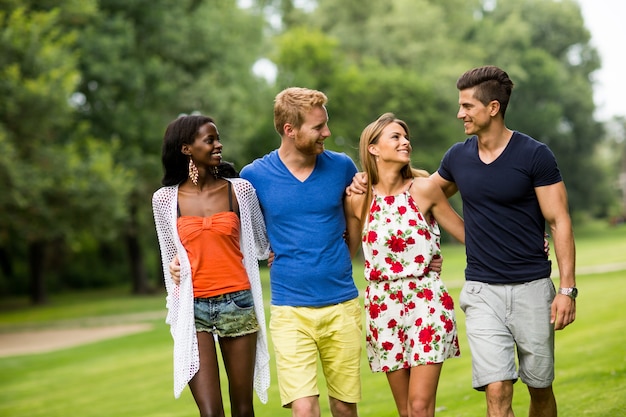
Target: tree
145 62
388 47
56 182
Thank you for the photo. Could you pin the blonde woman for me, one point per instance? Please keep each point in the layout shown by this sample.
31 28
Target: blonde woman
410 320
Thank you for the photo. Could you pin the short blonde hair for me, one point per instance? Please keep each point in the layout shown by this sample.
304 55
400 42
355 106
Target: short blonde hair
293 104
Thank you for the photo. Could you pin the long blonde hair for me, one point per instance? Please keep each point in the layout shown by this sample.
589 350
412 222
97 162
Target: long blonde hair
370 136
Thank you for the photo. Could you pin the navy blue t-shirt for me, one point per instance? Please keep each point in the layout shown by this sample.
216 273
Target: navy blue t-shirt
504 226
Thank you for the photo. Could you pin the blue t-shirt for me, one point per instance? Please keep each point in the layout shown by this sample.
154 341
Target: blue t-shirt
305 225
504 226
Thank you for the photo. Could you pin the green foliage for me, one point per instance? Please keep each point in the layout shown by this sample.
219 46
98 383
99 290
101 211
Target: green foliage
386 48
56 183
88 87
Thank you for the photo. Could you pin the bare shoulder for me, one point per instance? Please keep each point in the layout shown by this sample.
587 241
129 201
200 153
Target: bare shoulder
425 186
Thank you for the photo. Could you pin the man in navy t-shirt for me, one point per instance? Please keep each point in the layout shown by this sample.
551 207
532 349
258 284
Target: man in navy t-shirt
510 186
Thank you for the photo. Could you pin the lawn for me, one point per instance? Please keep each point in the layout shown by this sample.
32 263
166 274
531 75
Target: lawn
132 375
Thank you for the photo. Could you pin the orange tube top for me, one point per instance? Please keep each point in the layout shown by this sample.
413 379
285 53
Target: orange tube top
212 245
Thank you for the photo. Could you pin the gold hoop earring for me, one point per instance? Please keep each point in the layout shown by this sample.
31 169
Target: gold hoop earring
193 172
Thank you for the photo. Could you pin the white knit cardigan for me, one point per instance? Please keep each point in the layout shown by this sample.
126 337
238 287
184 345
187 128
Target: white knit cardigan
179 300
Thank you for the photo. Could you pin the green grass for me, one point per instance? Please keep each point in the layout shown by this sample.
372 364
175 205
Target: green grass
132 375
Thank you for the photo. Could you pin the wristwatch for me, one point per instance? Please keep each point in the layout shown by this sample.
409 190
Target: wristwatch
570 292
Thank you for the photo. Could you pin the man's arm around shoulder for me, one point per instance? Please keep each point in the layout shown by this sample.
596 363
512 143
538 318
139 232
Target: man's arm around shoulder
449 188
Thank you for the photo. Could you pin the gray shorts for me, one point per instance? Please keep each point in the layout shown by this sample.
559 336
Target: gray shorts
227 315
501 319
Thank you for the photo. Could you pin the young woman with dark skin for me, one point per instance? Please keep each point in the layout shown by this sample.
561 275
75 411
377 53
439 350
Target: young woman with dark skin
213 224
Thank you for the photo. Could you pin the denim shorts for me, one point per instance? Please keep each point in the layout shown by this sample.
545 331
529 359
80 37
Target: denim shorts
226 315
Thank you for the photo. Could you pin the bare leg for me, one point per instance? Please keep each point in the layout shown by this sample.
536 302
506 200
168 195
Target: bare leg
306 407
239 356
205 385
415 390
499 399
342 409
542 402
399 384
423 389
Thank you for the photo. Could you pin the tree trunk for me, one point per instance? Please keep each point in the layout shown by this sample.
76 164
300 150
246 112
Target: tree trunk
6 266
36 260
135 257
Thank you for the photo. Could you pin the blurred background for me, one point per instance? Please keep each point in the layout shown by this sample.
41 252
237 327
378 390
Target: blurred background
87 88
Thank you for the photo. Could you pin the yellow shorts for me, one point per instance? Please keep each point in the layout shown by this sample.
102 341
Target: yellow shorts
301 334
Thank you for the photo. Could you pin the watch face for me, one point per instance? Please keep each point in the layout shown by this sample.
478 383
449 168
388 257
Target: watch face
574 293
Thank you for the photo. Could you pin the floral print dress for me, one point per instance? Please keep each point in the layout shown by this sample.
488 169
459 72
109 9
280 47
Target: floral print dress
410 316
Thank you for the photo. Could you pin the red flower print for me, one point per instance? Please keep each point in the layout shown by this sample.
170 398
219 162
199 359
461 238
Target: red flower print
390 199
392 323
419 259
372 236
412 285
426 293
375 252
397 267
375 274
396 244
374 310
447 301
412 222
383 307
448 325
386 287
388 260
402 210
418 322
410 241
426 335
387 346
410 306
432 310
399 356
375 333
375 207
427 348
